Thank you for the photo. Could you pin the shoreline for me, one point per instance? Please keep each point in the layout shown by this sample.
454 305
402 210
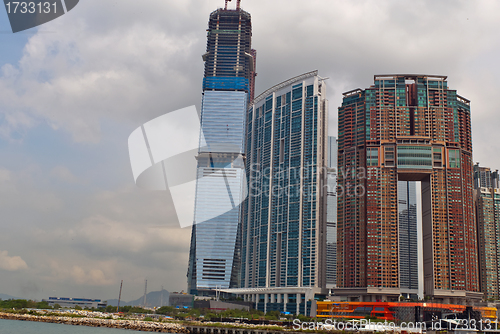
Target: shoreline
137 325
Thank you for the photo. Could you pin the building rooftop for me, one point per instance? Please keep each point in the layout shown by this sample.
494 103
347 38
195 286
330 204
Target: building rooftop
284 84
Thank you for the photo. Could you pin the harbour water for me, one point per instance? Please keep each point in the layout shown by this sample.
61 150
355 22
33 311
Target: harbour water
31 327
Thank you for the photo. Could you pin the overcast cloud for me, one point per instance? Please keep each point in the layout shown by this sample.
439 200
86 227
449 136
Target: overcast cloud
72 90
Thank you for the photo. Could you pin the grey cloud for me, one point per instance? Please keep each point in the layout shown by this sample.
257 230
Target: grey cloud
64 174
115 233
16 193
11 263
75 78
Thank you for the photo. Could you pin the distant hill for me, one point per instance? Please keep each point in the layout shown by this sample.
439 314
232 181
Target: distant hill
153 299
3 296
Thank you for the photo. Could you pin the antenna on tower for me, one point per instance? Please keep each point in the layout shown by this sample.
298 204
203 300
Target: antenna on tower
225 8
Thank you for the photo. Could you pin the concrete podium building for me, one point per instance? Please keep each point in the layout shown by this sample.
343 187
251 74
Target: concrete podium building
406 128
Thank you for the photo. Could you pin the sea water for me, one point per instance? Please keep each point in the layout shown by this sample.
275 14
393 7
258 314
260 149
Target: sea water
32 327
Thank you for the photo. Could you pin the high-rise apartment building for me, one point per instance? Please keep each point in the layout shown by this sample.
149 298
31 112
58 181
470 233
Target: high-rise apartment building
487 200
283 226
405 128
485 178
227 91
331 214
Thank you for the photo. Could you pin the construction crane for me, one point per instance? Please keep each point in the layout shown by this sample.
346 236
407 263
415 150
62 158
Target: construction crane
145 291
237 4
119 297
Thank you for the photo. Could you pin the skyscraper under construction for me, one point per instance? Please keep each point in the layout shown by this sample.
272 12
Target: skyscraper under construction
228 86
406 128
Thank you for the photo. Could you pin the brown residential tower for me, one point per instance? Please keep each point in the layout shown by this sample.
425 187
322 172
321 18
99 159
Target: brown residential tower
406 128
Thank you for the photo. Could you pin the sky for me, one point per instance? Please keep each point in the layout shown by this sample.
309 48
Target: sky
72 221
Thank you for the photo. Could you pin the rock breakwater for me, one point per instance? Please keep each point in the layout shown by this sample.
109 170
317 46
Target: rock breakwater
137 325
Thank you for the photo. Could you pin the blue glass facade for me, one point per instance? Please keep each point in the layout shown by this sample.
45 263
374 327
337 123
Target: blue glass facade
220 187
222 121
284 218
218 194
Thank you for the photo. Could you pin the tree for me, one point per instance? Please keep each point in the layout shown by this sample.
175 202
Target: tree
137 309
125 309
111 309
14 303
273 315
195 313
210 316
43 305
166 310
303 318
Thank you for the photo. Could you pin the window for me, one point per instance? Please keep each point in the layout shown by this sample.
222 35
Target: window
454 158
418 157
282 150
389 156
372 156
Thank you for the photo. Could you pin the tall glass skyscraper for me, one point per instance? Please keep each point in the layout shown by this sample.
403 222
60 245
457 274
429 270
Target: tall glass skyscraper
227 90
331 214
283 226
408 249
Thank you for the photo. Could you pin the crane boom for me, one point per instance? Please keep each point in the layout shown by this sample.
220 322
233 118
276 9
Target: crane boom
119 297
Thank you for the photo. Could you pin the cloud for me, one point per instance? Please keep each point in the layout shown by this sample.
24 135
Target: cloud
11 263
124 237
115 234
64 174
5 175
91 277
74 81
93 238
18 191
98 273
